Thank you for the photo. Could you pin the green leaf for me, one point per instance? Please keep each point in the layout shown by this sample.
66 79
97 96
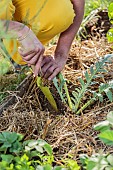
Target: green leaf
48 149
7 158
55 81
16 147
87 76
39 149
91 70
47 93
110 35
81 82
58 168
10 136
20 136
102 126
107 137
39 167
110 159
5 146
110 12
72 164
32 143
100 96
109 94
110 117
47 167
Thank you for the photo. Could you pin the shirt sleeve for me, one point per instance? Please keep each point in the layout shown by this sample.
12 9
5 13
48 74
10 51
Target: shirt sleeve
7 9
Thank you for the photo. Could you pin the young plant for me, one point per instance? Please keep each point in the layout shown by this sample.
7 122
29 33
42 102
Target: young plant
75 102
106 129
98 161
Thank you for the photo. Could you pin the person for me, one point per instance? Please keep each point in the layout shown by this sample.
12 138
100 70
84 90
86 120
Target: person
29 25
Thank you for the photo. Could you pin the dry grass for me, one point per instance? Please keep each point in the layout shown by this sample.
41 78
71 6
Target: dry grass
66 132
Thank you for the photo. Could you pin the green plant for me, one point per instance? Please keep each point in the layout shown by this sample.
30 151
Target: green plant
10 142
92 5
98 161
101 161
17 154
76 101
105 129
110 13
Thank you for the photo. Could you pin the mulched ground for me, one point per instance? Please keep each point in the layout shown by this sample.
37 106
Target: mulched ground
67 132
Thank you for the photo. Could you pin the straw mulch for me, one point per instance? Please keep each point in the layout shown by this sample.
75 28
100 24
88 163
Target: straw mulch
68 133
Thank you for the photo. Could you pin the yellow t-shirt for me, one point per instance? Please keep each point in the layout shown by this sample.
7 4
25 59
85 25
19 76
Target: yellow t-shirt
46 18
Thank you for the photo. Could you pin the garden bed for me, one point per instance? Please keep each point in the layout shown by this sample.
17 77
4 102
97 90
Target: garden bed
67 132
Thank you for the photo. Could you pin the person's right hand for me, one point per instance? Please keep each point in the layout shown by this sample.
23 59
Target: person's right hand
31 50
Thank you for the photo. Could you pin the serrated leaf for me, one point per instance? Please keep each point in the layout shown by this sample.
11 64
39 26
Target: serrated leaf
55 82
110 117
75 95
87 76
81 82
78 90
107 137
91 70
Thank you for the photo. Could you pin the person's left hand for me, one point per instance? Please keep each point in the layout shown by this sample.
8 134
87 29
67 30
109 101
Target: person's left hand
51 66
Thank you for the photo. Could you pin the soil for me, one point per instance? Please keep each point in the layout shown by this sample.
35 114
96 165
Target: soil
68 133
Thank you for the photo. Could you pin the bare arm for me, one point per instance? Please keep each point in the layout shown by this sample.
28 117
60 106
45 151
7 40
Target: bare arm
66 38
12 29
31 48
51 67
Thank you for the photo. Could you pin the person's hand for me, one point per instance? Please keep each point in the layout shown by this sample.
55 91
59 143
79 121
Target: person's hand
51 66
31 51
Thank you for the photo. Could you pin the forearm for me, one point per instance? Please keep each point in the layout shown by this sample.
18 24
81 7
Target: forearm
12 29
66 38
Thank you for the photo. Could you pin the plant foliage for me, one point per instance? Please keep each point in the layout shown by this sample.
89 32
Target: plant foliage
76 101
16 154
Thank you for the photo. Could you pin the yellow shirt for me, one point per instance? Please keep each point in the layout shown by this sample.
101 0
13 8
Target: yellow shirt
46 18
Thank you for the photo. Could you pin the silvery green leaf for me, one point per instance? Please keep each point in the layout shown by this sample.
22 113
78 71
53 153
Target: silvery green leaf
32 143
101 126
39 167
39 148
27 148
110 159
110 117
109 94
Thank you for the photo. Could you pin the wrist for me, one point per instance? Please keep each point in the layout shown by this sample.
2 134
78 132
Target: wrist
23 32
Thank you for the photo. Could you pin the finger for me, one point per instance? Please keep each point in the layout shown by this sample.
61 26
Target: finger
26 52
45 60
29 57
33 60
49 71
46 67
56 71
38 65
